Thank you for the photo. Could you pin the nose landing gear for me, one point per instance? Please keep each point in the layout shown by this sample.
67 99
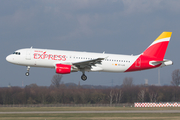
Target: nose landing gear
27 73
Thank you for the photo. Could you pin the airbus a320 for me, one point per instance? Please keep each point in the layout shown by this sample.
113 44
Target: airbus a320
65 62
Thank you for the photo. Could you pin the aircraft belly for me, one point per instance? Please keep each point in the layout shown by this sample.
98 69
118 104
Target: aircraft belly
37 63
44 63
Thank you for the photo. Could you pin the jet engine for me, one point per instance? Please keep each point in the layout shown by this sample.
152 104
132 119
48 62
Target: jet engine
63 68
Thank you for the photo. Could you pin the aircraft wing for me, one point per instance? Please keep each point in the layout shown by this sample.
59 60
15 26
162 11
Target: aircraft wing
88 63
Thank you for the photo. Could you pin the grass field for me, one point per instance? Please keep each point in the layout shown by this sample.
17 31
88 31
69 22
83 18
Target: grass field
87 116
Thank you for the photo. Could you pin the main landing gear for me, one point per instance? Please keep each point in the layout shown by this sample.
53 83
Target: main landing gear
84 77
27 73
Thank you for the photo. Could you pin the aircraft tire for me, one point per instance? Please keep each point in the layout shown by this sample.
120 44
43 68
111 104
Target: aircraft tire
27 73
84 77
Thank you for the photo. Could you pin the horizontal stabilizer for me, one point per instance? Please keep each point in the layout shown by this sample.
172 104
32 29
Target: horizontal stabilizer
163 63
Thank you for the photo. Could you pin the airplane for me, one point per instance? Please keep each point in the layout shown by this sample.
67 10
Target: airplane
65 62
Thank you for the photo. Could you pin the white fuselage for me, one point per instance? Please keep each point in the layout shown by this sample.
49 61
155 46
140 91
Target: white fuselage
49 58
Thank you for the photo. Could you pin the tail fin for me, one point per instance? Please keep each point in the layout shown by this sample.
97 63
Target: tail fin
158 48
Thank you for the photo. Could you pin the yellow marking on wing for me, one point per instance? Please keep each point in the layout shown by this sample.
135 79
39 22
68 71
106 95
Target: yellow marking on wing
164 35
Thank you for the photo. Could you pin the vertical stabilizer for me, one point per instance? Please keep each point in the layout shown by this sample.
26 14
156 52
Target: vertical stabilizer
153 56
158 48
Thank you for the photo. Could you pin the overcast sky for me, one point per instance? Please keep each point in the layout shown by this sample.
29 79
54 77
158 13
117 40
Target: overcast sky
113 26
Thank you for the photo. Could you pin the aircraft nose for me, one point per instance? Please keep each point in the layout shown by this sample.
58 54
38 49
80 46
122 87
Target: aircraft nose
9 58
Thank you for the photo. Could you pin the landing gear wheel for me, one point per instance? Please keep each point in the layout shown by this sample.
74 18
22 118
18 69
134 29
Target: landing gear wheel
27 73
84 77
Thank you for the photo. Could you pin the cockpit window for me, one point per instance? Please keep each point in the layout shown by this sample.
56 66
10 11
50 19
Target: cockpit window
17 53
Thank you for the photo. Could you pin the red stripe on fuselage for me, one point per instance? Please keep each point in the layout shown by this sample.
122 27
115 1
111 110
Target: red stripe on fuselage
142 63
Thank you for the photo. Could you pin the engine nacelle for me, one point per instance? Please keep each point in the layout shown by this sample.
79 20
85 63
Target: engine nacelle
63 69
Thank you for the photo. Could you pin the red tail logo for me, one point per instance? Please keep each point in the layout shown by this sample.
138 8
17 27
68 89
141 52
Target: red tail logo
155 52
